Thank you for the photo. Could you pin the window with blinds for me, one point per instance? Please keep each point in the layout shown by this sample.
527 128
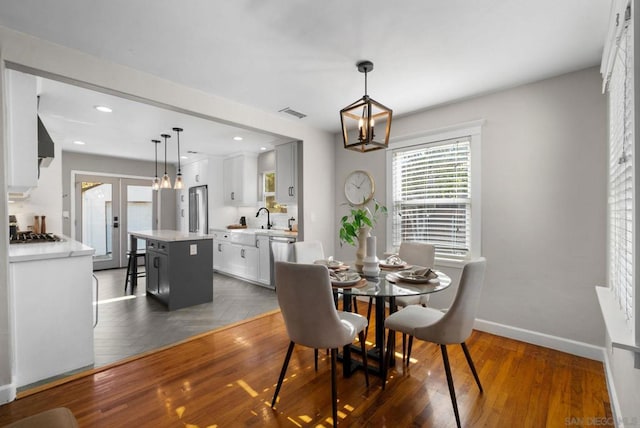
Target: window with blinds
621 173
432 196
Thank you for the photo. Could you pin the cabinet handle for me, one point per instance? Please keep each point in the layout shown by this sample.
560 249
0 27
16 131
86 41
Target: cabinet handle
220 248
233 196
242 253
182 212
156 262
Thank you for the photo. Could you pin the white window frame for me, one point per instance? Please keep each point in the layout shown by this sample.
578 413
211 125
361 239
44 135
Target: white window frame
470 130
623 330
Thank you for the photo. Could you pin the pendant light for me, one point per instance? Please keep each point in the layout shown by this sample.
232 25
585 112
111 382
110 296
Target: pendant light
179 184
155 184
166 181
361 118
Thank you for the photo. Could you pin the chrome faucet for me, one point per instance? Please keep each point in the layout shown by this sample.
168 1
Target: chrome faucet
289 222
268 217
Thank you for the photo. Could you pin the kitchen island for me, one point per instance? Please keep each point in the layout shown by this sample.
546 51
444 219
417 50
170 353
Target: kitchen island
179 266
52 295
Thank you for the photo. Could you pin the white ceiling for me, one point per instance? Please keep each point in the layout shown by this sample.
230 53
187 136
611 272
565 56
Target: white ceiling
302 54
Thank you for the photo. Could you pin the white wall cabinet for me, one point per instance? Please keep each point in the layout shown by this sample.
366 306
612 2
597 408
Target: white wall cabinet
22 131
193 174
240 180
264 264
287 173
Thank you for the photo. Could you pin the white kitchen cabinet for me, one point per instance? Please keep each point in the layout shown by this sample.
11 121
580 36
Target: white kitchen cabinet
182 214
241 260
287 173
195 173
52 294
264 264
22 131
236 254
240 180
218 254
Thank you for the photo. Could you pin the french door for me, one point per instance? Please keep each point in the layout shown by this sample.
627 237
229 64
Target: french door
107 208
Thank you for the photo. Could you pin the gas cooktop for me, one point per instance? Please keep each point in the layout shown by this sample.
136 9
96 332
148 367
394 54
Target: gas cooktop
30 237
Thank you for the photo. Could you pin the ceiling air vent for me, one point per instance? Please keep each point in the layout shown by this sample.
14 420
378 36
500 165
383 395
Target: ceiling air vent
292 112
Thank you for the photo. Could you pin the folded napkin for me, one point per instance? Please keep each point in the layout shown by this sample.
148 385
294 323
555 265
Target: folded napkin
426 272
393 259
343 276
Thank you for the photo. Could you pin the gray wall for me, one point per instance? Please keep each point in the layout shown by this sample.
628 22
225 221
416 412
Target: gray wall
72 161
544 160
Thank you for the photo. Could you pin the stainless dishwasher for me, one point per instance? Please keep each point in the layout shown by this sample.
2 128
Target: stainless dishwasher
280 249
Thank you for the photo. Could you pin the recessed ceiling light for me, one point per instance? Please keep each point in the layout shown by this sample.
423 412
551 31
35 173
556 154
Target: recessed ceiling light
103 109
263 148
79 143
237 138
184 157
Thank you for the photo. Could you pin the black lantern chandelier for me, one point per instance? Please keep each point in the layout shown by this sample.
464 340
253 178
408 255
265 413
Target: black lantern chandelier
361 119
155 183
166 181
179 184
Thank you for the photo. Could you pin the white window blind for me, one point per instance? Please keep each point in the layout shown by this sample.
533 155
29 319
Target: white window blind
432 196
621 173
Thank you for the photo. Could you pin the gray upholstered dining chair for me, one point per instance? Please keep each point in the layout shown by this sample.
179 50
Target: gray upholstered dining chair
312 320
308 252
417 254
444 328
414 253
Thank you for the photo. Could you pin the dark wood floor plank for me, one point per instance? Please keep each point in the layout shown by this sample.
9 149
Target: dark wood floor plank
227 378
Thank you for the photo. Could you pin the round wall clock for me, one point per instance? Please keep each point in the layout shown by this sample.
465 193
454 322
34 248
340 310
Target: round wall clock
359 187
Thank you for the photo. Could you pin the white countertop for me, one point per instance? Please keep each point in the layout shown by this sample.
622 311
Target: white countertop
48 250
268 232
169 235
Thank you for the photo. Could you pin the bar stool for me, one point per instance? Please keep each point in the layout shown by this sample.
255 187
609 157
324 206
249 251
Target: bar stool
132 266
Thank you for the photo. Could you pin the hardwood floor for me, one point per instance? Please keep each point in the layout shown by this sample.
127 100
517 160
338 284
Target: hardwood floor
226 379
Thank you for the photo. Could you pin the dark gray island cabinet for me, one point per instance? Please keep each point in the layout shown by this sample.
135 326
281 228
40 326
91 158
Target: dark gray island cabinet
179 267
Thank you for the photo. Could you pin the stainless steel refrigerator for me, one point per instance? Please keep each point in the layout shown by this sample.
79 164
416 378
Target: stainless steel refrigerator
198 209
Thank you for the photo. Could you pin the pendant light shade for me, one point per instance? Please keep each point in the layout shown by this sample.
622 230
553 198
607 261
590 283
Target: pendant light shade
166 181
179 184
155 183
366 123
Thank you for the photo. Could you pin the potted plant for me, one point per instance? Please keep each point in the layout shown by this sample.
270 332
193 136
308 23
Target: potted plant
355 227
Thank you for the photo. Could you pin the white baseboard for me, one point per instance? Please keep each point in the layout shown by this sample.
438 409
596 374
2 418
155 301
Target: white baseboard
562 344
7 393
613 397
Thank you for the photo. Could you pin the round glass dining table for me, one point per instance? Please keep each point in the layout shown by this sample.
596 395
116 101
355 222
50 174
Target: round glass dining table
385 287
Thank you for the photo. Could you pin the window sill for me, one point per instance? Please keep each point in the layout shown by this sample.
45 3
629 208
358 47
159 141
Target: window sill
618 329
458 264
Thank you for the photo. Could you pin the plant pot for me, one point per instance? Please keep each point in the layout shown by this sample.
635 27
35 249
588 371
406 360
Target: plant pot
363 234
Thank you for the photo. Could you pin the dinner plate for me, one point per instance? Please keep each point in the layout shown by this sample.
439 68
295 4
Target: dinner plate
331 264
409 276
349 284
393 266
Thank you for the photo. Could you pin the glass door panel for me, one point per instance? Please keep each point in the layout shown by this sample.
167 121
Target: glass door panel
99 220
139 212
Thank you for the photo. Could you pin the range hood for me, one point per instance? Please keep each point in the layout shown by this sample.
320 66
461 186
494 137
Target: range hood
45 146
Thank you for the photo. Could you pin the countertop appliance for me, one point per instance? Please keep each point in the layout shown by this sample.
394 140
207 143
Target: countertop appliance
33 238
280 249
198 209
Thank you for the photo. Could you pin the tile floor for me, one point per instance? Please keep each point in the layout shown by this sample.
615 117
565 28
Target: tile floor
130 324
